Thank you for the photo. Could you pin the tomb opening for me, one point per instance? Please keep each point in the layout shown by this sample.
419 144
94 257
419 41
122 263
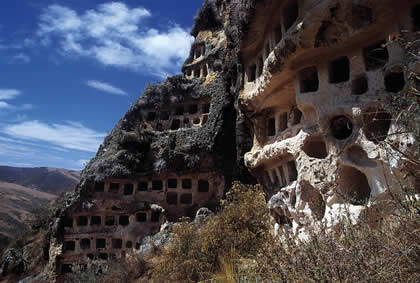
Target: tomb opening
278 34
353 185
179 111
69 246
186 199
205 70
394 82
203 186
308 78
341 127
124 220
142 186
172 198
172 183
68 222
315 147
282 122
359 85
197 71
187 184
376 124
85 244
376 55
157 185
266 49
271 127
186 122
141 217
82 221
109 221
66 268
114 188
176 124
95 220
252 71
415 15
164 115
192 109
339 70
260 66
291 166
290 14
100 243
206 108
296 116
116 243
128 189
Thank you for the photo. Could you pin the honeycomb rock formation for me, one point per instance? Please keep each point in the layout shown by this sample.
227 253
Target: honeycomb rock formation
317 78
294 90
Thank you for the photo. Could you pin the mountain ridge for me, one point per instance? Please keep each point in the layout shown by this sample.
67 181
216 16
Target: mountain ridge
44 179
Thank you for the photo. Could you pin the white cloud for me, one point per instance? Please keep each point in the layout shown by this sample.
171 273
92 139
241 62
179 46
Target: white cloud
71 135
22 57
6 94
15 152
9 94
116 35
5 105
105 87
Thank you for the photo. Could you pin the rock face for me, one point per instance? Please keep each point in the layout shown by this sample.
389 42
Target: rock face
174 152
317 78
295 90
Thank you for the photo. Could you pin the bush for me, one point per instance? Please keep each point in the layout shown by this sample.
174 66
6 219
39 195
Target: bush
349 253
197 251
236 245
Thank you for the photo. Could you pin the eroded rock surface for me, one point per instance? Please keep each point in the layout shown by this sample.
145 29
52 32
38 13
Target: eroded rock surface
317 78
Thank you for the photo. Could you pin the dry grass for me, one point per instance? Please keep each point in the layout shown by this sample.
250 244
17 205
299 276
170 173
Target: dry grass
197 251
237 245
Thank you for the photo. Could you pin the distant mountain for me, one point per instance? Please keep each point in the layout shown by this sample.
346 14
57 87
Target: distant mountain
23 190
16 205
49 180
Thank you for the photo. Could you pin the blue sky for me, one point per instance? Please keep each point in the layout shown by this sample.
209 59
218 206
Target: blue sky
71 69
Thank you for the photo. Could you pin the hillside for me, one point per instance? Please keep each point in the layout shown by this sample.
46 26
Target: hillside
23 190
15 206
49 180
